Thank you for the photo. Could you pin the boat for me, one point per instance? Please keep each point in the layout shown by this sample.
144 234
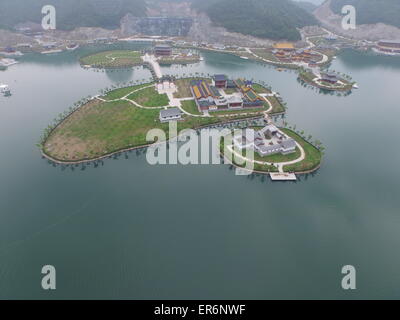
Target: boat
72 47
52 51
5 89
355 86
6 62
245 58
280 69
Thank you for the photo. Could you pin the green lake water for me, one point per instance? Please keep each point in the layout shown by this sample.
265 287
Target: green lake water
128 230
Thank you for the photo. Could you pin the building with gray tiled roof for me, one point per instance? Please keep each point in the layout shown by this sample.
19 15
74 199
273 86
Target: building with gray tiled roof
171 114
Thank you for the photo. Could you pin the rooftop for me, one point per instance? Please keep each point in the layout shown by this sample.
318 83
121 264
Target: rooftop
284 45
172 112
288 144
220 77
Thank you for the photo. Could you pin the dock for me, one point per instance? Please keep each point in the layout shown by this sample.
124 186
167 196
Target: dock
283 177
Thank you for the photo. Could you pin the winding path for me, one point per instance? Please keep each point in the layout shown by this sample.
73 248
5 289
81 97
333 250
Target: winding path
153 61
125 98
280 165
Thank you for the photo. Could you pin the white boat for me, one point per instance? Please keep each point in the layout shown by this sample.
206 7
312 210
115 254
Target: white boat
52 51
6 62
245 58
72 48
11 54
355 86
5 89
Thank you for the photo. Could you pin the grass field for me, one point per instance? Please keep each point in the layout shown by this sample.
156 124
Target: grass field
260 89
99 128
313 155
149 97
277 107
191 107
179 60
265 54
113 59
122 92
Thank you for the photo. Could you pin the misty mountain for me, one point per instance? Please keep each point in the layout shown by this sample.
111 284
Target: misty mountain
372 11
70 13
260 18
308 6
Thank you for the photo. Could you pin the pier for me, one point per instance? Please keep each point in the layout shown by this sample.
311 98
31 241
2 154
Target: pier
283 177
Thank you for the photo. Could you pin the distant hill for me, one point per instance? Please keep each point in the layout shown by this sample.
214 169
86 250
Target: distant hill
71 13
308 6
372 11
260 18
314 2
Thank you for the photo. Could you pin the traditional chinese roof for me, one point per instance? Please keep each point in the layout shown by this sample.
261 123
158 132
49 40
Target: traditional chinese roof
284 46
172 112
220 77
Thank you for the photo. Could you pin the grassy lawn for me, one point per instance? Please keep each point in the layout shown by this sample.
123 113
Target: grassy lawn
263 53
313 155
277 107
260 89
149 97
119 93
99 128
179 60
191 107
113 59
256 166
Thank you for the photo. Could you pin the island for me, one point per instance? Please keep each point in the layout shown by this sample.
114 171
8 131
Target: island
162 54
274 150
326 80
118 120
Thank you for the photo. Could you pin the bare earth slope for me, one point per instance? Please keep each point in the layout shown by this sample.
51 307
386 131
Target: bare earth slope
372 32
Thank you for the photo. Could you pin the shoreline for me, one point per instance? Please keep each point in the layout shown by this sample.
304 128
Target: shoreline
267 173
312 83
145 146
108 155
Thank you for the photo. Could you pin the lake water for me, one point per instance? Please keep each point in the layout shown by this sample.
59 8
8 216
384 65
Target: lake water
128 230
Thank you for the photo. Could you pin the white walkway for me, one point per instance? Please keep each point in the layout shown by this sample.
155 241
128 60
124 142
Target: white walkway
153 61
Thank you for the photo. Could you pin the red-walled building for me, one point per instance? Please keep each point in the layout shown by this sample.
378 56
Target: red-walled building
220 81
